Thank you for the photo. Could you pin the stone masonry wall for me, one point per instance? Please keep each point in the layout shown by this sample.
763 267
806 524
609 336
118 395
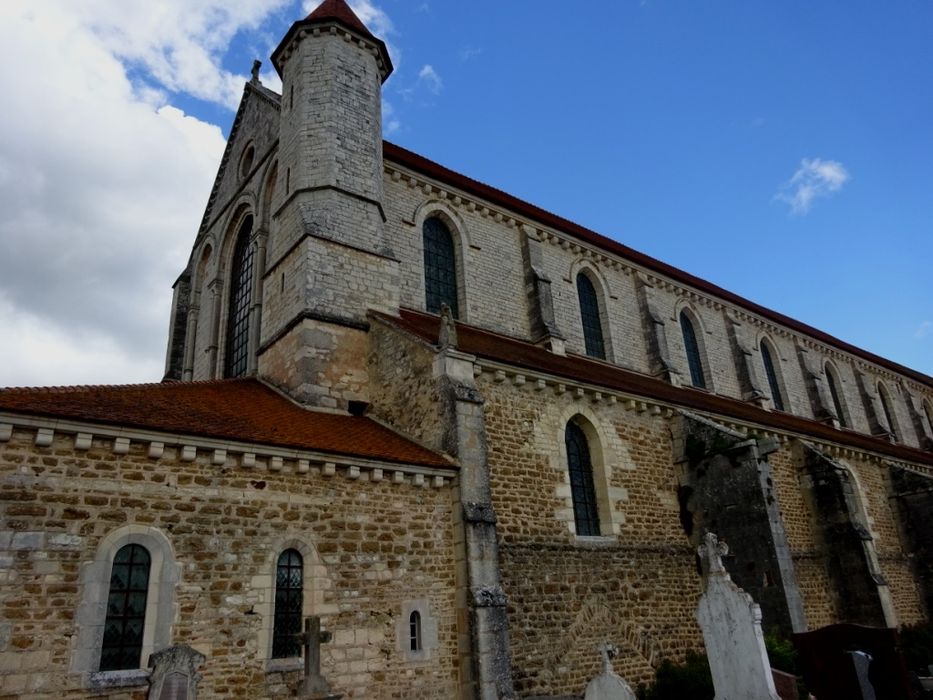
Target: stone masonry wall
637 587
489 245
404 392
810 561
372 547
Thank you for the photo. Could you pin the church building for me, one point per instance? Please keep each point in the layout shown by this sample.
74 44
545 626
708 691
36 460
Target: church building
471 438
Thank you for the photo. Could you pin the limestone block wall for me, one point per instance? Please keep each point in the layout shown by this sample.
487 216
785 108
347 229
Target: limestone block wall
493 295
635 586
492 286
373 542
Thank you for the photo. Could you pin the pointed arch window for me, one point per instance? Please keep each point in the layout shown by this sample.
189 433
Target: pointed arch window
126 609
836 396
241 285
414 631
770 372
692 348
582 488
888 410
589 314
289 602
440 267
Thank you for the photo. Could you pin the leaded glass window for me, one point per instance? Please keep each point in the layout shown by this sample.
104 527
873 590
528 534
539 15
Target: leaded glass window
589 313
241 285
582 488
772 377
126 609
888 411
414 631
693 351
289 598
440 267
834 393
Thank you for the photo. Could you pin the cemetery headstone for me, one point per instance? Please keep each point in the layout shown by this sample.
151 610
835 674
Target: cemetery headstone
608 685
174 673
731 624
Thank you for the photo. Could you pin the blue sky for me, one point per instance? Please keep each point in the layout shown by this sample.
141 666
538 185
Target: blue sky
781 150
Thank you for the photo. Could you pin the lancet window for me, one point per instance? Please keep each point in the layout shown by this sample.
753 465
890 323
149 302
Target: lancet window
440 267
582 487
589 314
289 600
241 285
126 609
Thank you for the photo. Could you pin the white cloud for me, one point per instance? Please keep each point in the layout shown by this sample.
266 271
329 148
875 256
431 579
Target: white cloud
469 52
814 178
429 77
178 43
102 187
924 329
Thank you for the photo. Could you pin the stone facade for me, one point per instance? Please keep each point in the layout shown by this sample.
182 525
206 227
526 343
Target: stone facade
374 544
824 504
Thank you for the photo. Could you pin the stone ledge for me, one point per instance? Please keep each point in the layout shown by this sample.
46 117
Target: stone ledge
102 680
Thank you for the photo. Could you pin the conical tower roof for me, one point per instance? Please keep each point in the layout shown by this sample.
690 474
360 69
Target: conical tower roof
333 12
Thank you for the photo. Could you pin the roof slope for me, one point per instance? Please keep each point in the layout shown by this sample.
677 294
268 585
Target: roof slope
521 354
234 409
420 164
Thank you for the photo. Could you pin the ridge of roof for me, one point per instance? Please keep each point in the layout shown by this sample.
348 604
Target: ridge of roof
243 409
519 353
439 172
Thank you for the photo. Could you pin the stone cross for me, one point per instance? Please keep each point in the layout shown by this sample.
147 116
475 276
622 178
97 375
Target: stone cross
447 337
314 684
257 64
711 553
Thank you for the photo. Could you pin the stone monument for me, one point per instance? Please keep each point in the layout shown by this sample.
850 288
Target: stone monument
314 686
608 685
175 673
731 624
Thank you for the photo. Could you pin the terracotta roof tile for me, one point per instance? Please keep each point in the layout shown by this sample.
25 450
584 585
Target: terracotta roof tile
418 163
234 409
340 11
521 354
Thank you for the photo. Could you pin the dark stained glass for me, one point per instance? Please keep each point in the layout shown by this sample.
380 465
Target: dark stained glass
693 351
589 313
582 489
772 377
241 284
289 599
414 631
888 412
440 267
834 392
126 609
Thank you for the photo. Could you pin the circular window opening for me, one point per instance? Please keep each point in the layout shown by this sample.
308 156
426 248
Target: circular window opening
246 162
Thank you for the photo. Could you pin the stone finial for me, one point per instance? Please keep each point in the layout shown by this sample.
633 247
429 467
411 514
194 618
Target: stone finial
608 685
711 553
257 64
609 652
447 336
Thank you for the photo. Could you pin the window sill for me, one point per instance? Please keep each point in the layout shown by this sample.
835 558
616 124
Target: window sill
293 663
596 540
102 680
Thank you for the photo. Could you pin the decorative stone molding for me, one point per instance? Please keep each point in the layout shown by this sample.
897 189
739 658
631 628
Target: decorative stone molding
225 455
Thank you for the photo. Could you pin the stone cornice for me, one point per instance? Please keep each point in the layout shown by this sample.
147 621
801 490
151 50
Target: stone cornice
222 454
530 380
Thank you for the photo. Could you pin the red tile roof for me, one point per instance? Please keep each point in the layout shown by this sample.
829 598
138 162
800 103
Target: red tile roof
340 11
233 409
334 11
521 354
420 164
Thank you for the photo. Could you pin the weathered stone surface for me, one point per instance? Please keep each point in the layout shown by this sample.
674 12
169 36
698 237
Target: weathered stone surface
731 623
